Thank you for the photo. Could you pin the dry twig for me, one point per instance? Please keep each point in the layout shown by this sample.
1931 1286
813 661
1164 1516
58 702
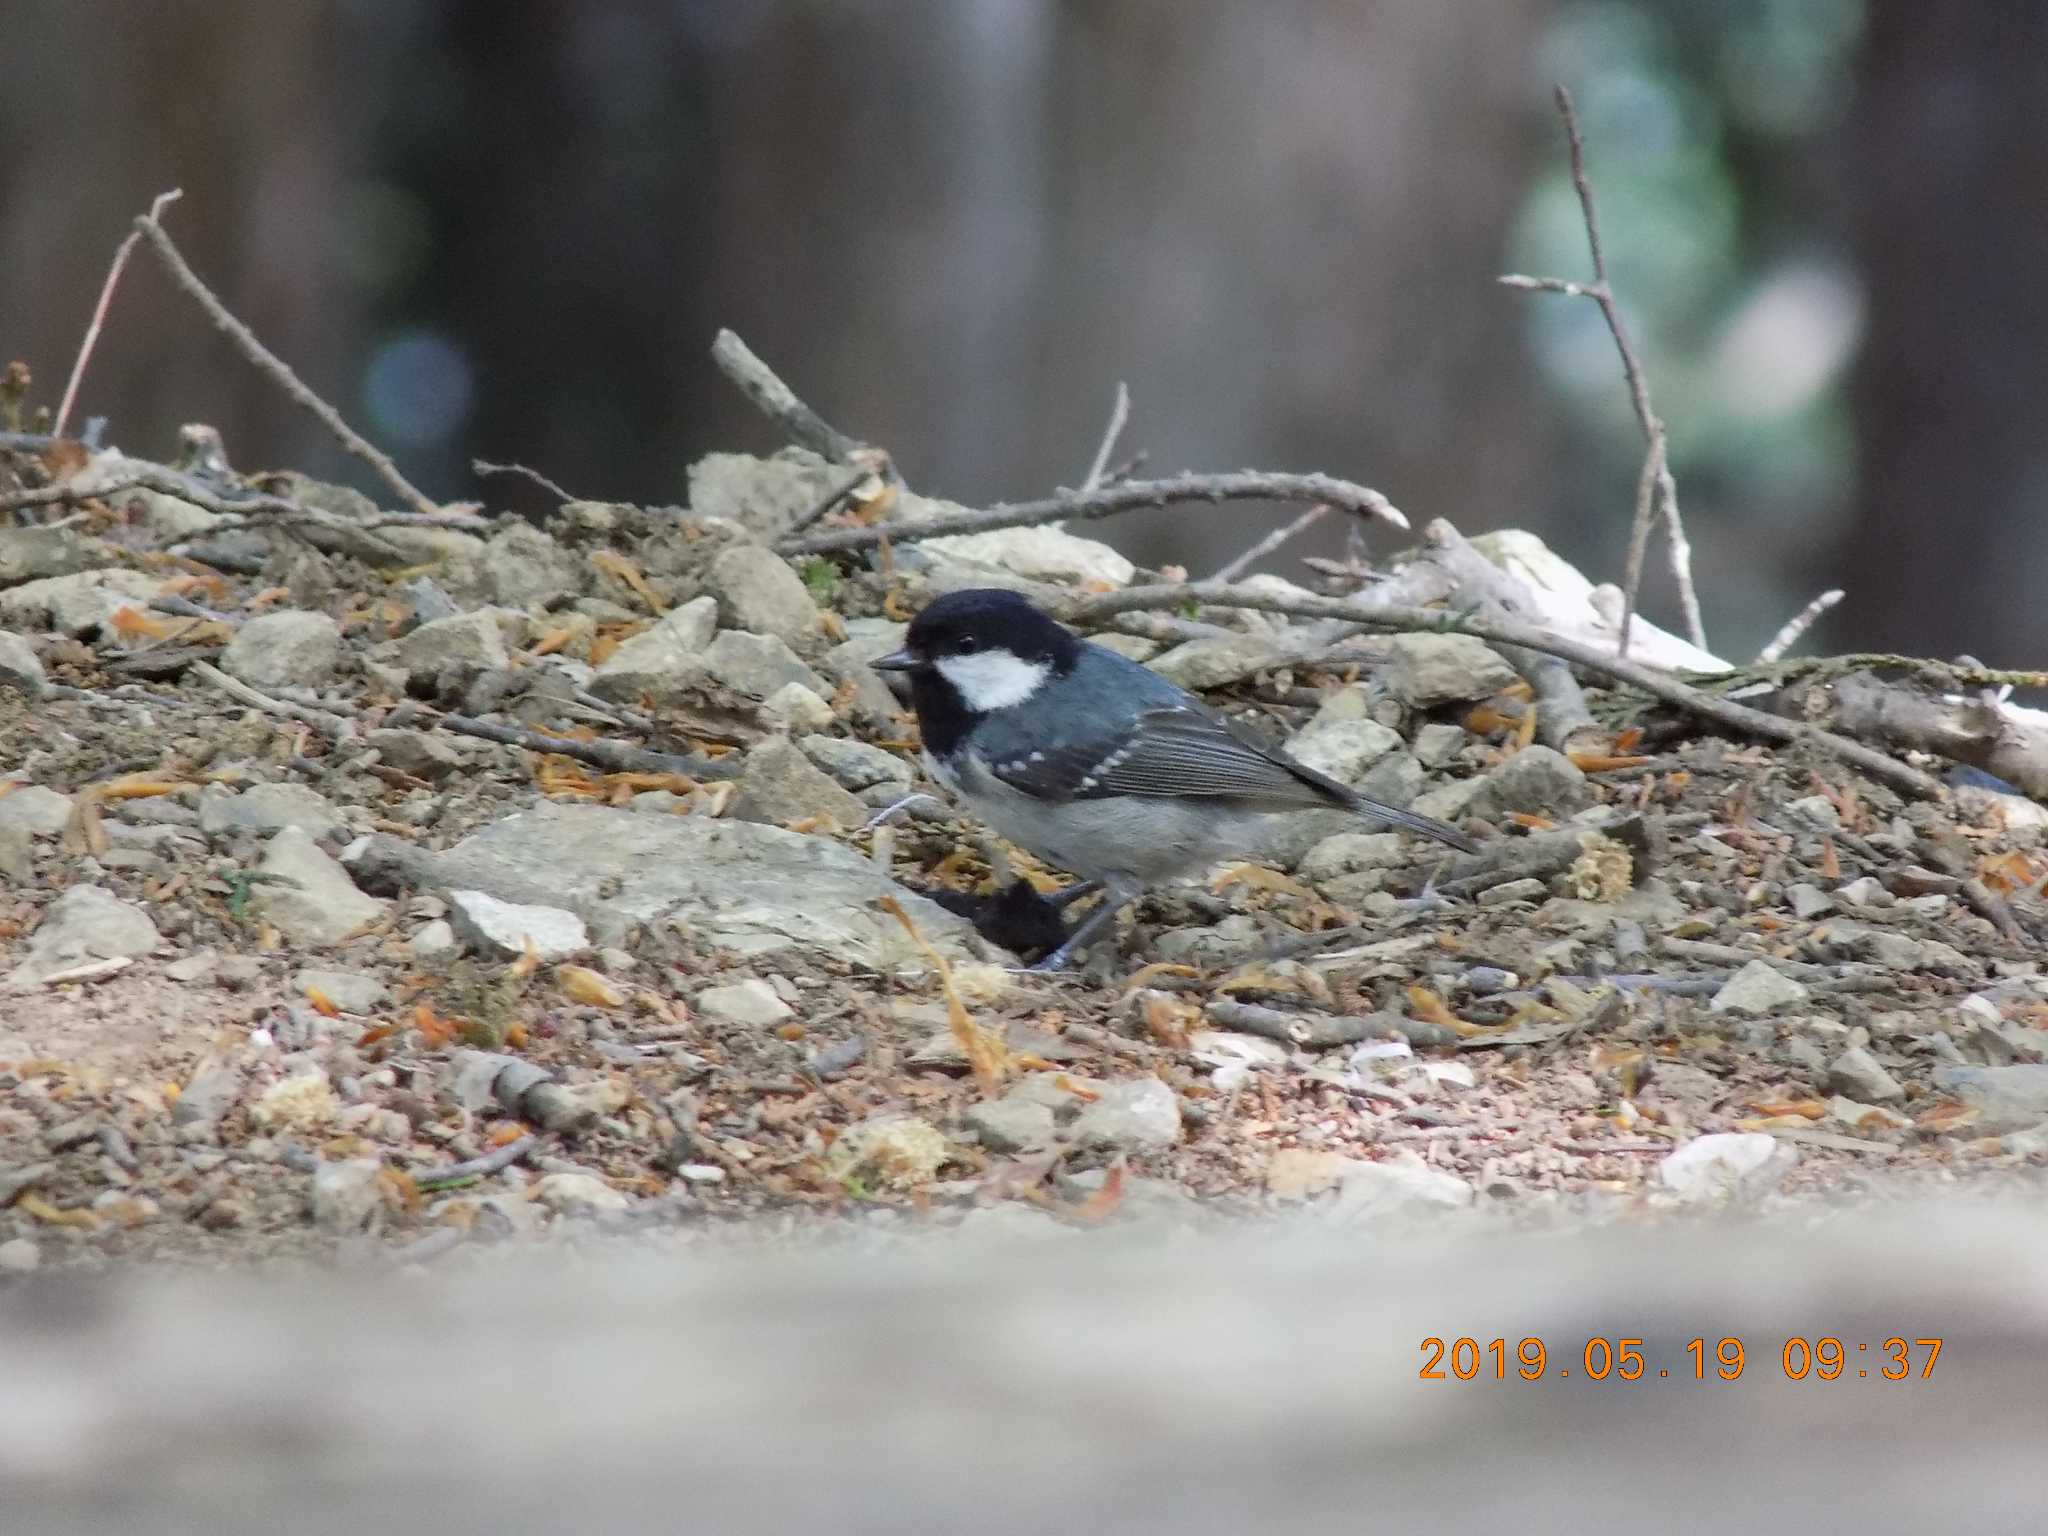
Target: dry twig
335 727
274 367
1798 625
99 312
1119 415
1656 463
1648 680
1271 542
1107 500
486 467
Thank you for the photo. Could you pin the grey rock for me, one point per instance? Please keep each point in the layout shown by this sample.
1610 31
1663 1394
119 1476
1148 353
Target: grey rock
210 1095
1348 853
19 666
423 754
1757 989
312 901
435 941
86 923
765 496
1012 1124
757 591
855 764
267 808
468 642
737 885
757 665
849 663
794 708
19 1256
524 568
1213 662
292 648
1427 670
20 1176
347 1195
1808 901
1865 891
1512 890
36 809
663 660
350 991
1438 744
780 785
2008 1098
428 601
1142 1115
1343 749
1860 1075
75 605
1402 1185
751 1002
1540 781
34 553
1395 779
503 928
1728 1166
1449 802
17 855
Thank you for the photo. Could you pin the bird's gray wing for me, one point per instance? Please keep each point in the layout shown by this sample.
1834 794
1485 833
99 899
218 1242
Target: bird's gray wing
1173 751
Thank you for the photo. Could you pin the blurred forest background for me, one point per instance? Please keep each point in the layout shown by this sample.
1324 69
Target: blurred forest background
511 229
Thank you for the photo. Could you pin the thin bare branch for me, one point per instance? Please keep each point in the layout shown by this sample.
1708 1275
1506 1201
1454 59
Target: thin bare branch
1271 542
833 498
779 403
99 312
1659 685
333 726
1119 416
486 467
270 364
1798 625
1107 500
1639 539
1654 435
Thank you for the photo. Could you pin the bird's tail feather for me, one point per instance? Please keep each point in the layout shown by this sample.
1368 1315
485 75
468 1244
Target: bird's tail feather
1414 821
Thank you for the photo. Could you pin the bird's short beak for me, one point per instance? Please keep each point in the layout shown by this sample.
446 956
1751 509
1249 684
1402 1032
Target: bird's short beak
895 661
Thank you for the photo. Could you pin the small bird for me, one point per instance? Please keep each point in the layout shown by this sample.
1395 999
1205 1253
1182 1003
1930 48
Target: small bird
1091 761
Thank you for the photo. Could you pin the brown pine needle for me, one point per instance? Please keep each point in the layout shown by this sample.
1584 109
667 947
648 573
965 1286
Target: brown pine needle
986 1054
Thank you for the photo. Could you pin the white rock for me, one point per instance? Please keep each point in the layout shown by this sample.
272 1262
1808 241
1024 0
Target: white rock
87 923
1142 1115
19 667
435 940
503 928
744 1002
1426 670
1043 553
1721 1167
294 648
311 900
1343 749
18 1256
568 1194
347 1195
1400 1184
1757 989
663 659
793 707
73 605
37 808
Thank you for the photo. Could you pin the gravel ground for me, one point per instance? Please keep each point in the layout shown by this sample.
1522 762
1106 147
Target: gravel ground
297 957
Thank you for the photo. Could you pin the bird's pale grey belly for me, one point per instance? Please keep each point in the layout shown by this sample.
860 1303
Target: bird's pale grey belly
1130 839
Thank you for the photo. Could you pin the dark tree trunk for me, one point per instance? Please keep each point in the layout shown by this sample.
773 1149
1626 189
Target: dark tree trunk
1950 551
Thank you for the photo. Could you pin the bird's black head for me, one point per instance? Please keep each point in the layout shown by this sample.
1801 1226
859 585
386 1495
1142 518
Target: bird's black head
973 652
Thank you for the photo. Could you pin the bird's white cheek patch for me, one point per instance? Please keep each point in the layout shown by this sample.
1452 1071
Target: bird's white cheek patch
993 679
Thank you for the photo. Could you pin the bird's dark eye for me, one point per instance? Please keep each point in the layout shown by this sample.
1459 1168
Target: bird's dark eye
967 645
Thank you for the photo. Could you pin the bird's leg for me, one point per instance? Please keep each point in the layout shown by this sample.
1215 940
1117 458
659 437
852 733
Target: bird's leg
1118 896
1067 895
890 810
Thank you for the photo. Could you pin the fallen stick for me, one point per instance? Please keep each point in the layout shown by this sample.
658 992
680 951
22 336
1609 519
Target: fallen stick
99 312
334 727
1970 730
1110 499
1658 685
